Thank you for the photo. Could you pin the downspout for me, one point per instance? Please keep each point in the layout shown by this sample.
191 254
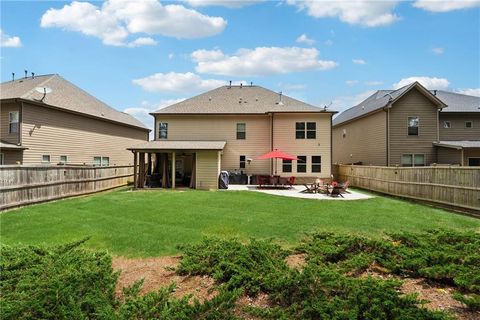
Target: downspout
387 110
331 144
271 142
154 128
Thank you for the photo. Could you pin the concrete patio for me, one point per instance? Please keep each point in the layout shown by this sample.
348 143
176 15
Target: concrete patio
296 192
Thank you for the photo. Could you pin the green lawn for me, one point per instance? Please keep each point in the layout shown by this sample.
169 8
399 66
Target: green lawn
152 223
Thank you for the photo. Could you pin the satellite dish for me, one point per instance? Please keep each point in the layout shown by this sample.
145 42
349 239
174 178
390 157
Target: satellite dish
43 90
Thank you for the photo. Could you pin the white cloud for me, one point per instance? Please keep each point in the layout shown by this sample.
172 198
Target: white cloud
427 82
224 3
470 92
8 41
305 39
360 12
115 20
438 50
359 61
351 82
142 41
171 56
446 5
328 42
260 61
177 82
373 83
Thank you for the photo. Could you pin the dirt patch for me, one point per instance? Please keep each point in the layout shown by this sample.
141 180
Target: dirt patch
158 273
296 261
439 297
260 301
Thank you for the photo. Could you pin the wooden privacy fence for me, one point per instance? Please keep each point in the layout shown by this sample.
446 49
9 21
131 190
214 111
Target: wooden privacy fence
26 184
451 186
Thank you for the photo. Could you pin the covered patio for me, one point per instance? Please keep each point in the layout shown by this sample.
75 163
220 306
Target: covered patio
174 164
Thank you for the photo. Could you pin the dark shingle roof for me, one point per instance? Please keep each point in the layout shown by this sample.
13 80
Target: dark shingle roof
64 95
238 100
457 102
380 99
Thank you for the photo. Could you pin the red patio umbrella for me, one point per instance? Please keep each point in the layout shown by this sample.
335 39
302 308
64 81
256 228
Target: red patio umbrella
276 154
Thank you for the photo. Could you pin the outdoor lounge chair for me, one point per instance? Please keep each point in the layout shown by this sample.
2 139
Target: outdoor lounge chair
344 187
291 181
311 188
335 191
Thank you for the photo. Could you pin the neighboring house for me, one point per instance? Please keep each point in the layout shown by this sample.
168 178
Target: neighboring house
228 128
408 127
64 124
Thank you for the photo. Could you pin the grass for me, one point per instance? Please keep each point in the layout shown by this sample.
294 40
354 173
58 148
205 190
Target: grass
153 223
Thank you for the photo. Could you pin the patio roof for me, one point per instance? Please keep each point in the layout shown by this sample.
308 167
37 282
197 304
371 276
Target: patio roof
458 144
11 146
178 145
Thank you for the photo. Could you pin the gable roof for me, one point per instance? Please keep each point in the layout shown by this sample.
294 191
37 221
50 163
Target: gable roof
458 102
65 96
381 99
239 100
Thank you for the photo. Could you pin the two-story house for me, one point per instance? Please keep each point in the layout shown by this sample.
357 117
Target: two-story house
410 126
48 120
228 128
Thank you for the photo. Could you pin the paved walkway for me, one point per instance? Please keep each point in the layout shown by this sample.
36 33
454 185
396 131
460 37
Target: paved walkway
295 192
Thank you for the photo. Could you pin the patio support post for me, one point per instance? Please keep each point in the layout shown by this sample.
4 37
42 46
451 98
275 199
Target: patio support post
141 170
173 169
135 169
149 166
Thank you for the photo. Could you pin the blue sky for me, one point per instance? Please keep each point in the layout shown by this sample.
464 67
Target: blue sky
141 55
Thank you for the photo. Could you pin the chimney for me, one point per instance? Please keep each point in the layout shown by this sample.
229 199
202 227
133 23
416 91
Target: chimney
251 83
26 74
434 92
241 85
230 84
280 102
33 75
13 76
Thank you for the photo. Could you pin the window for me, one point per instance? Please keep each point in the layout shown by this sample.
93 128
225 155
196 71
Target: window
241 131
316 164
305 130
46 158
287 165
13 120
1 159
413 126
468 124
163 130
300 130
302 164
242 162
474 162
63 159
447 124
101 161
419 160
413 160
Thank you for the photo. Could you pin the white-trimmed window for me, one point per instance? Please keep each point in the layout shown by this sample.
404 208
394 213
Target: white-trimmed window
241 131
306 130
163 130
101 161
46 158
63 159
413 124
13 121
286 165
302 164
316 164
447 124
243 161
468 124
413 160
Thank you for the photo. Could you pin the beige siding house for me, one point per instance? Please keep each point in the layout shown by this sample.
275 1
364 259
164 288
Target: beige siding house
410 126
62 125
227 129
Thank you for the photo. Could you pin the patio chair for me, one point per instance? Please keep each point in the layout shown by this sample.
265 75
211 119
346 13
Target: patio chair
291 181
335 191
344 187
310 188
322 187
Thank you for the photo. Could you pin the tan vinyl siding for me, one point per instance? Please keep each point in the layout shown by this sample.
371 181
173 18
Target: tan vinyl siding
207 169
5 108
449 156
457 131
55 133
413 104
284 140
12 156
223 128
365 141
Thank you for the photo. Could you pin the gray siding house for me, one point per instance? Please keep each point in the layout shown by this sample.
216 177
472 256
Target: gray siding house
410 126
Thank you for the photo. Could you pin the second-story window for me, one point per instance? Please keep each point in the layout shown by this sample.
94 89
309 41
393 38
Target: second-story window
413 123
447 124
306 130
163 130
468 124
241 131
13 120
